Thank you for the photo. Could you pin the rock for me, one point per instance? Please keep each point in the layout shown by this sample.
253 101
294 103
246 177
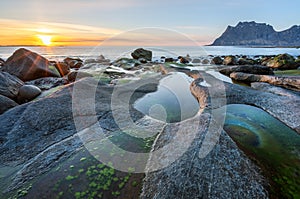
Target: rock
28 65
76 75
142 53
38 136
205 61
284 108
183 60
6 104
246 61
1 62
75 63
292 83
169 59
225 172
255 69
62 68
9 85
196 61
230 60
217 60
142 60
48 82
28 93
126 63
265 87
283 62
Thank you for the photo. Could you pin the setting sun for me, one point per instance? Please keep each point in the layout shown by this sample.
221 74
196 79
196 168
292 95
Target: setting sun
45 39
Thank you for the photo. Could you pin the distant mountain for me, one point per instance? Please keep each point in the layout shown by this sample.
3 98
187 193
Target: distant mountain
258 34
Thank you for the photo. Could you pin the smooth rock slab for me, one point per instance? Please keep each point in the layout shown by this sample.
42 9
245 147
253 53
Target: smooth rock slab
28 93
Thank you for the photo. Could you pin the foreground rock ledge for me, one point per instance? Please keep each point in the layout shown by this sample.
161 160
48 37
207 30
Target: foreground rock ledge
224 173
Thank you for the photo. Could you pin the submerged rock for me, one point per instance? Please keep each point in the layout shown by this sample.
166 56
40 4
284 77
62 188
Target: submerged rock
28 65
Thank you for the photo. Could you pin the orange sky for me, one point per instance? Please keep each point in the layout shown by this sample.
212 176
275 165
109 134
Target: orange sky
17 32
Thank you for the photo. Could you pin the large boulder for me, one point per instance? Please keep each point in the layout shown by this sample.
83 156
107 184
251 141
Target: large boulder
230 60
28 93
142 53
6 104
9 85
246 61
75 63
28 65
255 69
76 75
283 62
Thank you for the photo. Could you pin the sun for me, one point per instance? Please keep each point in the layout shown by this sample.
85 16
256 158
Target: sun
45 39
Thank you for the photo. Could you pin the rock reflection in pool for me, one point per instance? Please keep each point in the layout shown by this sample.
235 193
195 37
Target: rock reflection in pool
273 145
172 102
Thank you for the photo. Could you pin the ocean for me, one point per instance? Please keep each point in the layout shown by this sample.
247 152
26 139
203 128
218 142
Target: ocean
114 52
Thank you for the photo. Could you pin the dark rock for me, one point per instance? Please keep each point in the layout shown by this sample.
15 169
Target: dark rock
169 59
76 75
292 83
28 65
230 60
217 60
48 82
258 34
246 61
6 104
196 61
184 60
28 93
142 60
62 68
283 62
142 53
255 69
9 85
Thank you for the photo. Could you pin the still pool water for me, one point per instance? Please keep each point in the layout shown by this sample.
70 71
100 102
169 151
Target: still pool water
273 145
172 102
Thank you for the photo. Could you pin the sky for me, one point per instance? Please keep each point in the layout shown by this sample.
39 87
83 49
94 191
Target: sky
131 22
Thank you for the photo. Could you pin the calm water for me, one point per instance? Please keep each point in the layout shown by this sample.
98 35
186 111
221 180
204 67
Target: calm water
124 51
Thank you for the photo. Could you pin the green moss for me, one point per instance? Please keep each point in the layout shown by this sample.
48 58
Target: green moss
287 72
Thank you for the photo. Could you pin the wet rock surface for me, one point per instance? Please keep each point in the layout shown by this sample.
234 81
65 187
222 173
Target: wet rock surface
256 69
28 65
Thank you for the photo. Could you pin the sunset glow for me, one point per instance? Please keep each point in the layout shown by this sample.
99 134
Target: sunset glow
45 39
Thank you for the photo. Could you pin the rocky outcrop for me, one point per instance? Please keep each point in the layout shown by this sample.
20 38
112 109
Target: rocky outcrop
142 53
258 34
255 69
282 107
9 85
225 172
28 65
126 63
62 68
292 83
74 63
76 75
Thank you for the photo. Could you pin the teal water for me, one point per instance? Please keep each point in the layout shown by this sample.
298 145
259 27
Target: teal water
271 144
